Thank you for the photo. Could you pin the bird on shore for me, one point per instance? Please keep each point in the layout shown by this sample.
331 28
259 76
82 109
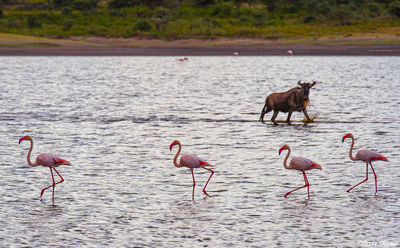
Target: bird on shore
191 162
301 164
47 160
364 155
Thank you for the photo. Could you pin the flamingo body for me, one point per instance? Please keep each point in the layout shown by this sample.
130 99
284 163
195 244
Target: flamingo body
50 160
191 162
47 160
367 156
301 164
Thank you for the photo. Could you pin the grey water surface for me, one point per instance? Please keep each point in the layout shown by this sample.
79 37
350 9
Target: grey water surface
114 118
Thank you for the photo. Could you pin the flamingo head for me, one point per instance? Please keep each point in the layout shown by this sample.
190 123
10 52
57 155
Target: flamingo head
176 142
27 137
346 136
284 147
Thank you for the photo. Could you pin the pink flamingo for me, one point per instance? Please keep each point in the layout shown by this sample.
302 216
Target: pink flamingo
301 164
191 162
364 155
47 160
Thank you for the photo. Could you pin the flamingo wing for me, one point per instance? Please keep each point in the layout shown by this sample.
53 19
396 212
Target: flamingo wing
300 163
368 155
51 160
193 161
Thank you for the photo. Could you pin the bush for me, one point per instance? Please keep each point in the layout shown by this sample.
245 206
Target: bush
143 25
61 3
161 12
67 11
394 8
33 22
222 9
84 4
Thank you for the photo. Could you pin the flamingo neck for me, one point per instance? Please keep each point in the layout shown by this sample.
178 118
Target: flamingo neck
286 158
176 156
351 149
28 158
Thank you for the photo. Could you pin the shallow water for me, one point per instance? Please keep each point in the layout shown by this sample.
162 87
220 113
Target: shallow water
115 117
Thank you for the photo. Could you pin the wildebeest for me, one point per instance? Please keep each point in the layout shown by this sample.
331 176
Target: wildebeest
295 99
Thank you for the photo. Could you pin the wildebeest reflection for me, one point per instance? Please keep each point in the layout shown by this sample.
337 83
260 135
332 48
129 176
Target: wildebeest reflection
295 99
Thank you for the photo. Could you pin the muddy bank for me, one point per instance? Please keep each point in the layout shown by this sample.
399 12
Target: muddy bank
220 50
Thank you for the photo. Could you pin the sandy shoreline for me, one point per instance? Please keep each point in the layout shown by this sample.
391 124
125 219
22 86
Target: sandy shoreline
220 50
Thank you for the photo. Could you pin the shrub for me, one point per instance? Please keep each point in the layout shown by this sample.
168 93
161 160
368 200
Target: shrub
84 4
161 12
394 8
222 9
33 21
143 25
67 11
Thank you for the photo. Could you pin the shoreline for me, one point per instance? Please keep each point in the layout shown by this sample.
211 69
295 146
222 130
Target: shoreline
219 50
19 45
279 50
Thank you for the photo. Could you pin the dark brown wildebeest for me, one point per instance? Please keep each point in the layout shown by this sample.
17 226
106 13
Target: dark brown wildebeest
295 99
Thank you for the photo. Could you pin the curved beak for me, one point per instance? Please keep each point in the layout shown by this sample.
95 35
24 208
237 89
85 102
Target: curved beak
280 150
170 146
21 139
345 137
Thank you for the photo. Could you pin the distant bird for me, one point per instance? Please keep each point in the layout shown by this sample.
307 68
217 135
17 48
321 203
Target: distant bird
182 59
289 52
301 164
191 162
47 160
364 155
235 54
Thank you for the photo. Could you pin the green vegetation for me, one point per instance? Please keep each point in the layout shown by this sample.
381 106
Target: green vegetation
200 19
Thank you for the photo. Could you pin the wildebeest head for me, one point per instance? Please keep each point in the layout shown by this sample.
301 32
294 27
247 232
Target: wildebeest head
306 88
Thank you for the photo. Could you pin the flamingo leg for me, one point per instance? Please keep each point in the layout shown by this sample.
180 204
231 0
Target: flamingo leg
212 173
305 185
194 184
54 184
366 179
376 181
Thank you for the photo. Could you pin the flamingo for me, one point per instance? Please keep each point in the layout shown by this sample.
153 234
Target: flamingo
47 160
191 162
364 155
301 164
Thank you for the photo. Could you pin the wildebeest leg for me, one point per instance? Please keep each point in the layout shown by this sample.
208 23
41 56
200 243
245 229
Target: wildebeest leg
265 110
305 113
276 112
288 117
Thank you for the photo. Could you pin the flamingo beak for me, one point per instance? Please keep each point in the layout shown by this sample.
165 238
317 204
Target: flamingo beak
172 145
21 139
345 137
280 150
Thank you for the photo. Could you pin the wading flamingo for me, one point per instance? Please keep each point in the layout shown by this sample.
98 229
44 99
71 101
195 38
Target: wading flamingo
364 155
191 162
301 164
47 160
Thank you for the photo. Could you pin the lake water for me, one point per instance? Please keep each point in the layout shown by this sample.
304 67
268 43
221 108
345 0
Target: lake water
114 118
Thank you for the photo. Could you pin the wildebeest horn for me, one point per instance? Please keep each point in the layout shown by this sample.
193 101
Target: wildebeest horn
314 82
299 82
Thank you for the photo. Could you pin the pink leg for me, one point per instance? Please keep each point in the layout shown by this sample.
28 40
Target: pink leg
376 181
305 185
62 180
366 179
194 184
212 173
